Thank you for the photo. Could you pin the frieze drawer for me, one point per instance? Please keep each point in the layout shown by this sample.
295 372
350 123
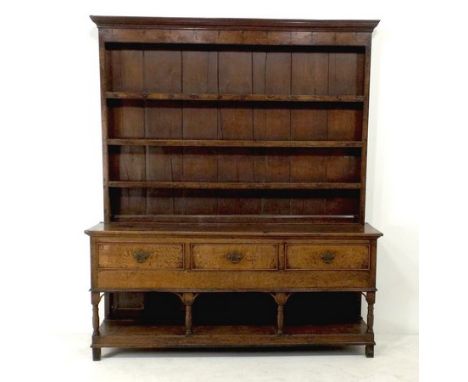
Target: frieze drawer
141 256
249 257
327 257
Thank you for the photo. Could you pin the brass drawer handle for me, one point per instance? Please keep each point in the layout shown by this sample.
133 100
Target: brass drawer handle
141 256
234 257
328 257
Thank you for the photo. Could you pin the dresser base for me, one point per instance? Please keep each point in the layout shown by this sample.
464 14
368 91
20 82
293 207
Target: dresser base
215 286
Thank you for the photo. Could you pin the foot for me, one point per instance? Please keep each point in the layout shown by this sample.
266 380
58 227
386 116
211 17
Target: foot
96 354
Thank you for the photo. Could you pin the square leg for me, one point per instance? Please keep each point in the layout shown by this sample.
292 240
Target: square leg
96 354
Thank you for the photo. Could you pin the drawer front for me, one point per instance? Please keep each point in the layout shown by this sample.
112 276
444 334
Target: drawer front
234 257
327 257
141 256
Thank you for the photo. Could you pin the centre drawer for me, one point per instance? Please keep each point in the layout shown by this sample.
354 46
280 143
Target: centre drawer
312 256
234 257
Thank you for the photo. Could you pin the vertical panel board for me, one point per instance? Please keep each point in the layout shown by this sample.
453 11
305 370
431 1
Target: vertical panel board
259 60
127 73
272 123
311 204
342 203
309 124
275 204
133 201
272 75
164 164
271 72
237 166
343 168
127 163
235 77
235 122
199 72
126 119
344 124
200 121
273 168
309 167
163 71
163 120
160 202
195 203
235 72
199 165
346 73
309 73
239 203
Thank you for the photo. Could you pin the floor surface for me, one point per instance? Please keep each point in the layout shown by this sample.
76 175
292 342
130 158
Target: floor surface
396 359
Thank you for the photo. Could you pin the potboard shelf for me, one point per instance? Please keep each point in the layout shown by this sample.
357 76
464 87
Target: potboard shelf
135 334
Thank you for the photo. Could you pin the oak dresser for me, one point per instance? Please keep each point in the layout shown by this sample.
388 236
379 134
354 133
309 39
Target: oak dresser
234 156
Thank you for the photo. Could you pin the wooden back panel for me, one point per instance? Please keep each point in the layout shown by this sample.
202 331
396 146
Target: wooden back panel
212 119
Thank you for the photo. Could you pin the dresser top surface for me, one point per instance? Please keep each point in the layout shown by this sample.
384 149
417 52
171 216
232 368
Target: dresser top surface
228 23
246 229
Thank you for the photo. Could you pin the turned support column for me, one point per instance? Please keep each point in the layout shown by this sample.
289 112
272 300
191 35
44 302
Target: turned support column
280 298
188 300
370 298
95 299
